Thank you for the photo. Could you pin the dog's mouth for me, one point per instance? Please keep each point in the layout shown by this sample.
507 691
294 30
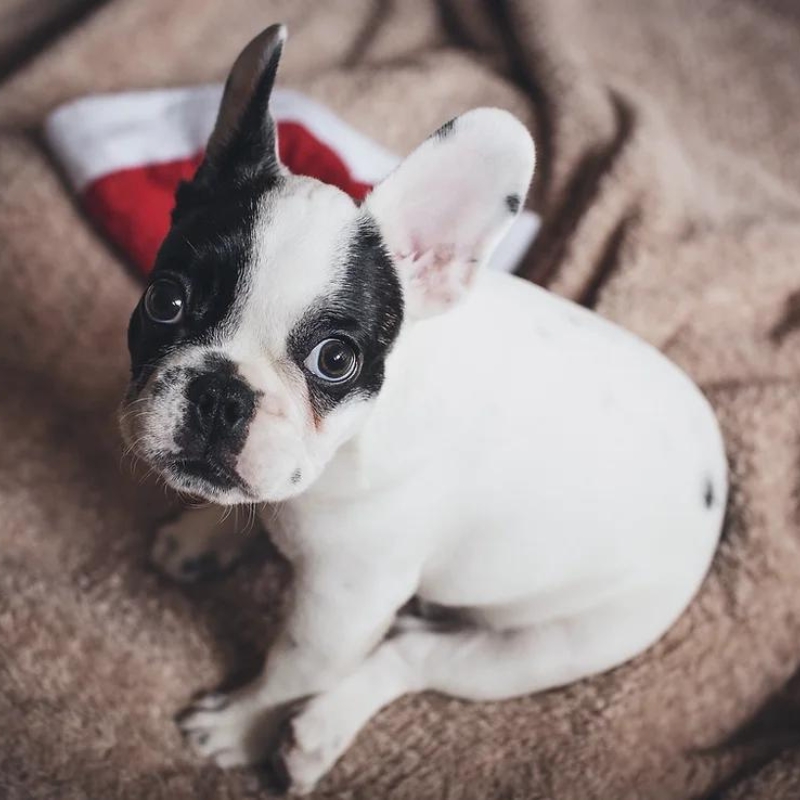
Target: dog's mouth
206 477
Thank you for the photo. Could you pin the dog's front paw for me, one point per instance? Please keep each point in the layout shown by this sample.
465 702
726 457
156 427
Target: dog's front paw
230 731
311 742
186 554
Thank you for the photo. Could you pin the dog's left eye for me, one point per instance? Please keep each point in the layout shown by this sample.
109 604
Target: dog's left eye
333 360
164 302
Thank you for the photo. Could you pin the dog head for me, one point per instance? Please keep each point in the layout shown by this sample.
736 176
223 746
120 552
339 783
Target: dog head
262 339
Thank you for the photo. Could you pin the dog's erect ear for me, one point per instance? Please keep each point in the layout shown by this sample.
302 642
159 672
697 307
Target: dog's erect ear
244 133
244 142
448 204
443 210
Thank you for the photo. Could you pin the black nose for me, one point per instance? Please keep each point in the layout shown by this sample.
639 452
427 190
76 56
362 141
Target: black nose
220 406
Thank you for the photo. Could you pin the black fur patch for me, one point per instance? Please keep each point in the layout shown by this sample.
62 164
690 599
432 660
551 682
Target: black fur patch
207 251
445 130
513 203
367 312
208 247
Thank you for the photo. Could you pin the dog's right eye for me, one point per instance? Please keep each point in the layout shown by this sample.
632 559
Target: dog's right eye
333 360
164 302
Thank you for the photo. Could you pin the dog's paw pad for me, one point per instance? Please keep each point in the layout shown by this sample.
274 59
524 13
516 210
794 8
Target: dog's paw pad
218 732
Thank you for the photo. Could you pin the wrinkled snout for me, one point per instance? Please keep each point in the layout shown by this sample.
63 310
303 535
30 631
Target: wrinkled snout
225 430
219 407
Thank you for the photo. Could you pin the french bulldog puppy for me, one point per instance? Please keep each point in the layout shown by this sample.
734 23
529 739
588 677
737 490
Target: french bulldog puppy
409 426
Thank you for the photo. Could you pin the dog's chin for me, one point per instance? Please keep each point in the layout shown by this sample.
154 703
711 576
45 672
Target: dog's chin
207 480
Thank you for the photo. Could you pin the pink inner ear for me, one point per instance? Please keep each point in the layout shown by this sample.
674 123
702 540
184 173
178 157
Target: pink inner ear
436 278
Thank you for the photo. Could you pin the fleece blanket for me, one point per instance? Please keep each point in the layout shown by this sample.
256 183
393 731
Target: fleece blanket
669 192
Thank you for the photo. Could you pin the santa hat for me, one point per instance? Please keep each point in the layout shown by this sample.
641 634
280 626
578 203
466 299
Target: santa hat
125 154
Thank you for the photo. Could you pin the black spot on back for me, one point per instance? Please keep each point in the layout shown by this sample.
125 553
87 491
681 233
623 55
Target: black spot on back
708 493
513 203
445 130
367 311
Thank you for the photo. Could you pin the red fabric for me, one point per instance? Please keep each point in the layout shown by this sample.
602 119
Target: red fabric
304 154
132 206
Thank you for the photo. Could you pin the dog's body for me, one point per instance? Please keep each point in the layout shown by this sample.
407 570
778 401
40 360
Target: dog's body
517 460
509 468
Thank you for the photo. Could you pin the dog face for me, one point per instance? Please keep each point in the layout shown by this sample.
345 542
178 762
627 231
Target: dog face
262 340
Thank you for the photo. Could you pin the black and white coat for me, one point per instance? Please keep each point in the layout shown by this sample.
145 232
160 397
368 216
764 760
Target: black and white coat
411 426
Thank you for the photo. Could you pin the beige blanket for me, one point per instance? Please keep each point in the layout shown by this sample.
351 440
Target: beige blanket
669 184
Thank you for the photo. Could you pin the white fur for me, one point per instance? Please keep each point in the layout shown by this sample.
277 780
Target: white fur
525 461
